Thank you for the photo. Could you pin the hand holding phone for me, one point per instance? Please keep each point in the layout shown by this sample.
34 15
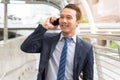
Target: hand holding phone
56 22
51 23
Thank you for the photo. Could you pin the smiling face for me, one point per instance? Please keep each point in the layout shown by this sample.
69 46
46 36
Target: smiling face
68 22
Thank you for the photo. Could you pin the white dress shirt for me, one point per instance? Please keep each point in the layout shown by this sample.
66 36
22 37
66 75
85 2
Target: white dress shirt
53 65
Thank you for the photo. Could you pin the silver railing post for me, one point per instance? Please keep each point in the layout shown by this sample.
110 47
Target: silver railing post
98 65
5 36
119 52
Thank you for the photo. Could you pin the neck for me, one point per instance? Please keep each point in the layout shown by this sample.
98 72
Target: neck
68 35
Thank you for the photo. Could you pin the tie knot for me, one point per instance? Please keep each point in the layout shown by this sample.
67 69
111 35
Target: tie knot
67 39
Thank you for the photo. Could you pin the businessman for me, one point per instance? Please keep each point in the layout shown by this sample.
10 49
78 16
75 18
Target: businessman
64 56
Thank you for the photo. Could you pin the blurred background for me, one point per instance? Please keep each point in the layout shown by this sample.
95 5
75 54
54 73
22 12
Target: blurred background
100 25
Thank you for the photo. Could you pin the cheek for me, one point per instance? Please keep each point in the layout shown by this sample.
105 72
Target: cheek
73 23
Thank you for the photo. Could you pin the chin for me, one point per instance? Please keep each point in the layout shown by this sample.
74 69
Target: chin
65 30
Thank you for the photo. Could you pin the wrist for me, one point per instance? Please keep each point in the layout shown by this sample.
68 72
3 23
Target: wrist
45 26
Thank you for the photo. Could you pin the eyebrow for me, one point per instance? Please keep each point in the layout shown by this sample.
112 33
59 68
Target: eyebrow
65 15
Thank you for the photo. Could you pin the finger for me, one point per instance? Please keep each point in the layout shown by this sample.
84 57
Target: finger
52 19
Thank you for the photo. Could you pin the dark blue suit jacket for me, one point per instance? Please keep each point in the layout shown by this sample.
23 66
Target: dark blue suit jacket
42 42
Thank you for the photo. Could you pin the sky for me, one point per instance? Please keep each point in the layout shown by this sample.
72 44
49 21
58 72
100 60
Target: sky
30 11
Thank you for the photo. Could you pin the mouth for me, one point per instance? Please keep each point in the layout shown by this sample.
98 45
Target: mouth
64 26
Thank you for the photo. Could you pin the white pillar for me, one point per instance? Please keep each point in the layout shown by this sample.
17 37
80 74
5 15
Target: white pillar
90 17
5 21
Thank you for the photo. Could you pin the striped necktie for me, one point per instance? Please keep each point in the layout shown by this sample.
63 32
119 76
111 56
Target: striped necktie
61 70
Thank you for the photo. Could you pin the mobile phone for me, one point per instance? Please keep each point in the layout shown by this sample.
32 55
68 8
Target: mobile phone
56 22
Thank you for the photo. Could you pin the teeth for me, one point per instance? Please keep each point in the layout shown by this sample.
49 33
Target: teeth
64 25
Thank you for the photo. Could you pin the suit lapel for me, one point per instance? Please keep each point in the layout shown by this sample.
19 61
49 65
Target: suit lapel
54 42
78 52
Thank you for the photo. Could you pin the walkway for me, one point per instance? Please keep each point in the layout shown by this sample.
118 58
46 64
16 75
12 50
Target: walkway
28 75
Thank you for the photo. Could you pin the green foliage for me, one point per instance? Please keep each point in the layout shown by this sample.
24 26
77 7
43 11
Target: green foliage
114 45
84 20
40 22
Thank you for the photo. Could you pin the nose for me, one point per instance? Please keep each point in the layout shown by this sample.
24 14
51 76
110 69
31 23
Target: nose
64 20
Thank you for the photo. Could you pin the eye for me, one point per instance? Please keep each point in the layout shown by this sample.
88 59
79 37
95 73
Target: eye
69 17
61 17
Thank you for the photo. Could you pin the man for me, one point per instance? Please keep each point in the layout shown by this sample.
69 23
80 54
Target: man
79 54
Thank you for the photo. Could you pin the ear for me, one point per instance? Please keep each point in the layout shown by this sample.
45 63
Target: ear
78 22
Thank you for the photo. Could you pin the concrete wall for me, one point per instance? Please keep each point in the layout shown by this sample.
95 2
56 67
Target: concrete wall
12 59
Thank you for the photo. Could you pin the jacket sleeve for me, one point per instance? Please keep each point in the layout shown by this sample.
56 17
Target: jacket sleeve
88 71
34 41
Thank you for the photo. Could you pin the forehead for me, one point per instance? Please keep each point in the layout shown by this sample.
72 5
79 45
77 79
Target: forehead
68 12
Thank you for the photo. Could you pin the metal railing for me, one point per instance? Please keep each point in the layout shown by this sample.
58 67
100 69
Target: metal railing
107 60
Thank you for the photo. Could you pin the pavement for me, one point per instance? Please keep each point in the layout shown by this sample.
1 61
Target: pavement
30 75
27 75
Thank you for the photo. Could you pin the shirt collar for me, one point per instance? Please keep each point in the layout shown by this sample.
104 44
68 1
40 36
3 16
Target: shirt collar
73 38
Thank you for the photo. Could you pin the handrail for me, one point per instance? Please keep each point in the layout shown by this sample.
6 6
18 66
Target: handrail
106 52
2 76
106 59
99 26
103 36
